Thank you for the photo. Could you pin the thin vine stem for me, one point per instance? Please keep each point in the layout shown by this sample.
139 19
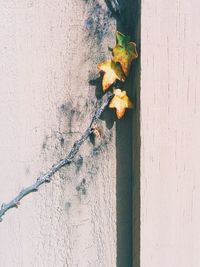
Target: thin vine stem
48 176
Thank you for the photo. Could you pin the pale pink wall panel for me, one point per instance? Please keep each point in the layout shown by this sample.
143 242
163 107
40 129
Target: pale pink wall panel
170 131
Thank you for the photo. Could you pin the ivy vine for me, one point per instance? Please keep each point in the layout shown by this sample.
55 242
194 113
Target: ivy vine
115 69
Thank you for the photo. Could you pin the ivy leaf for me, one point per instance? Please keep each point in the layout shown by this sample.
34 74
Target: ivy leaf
97 131
124 52
120 102
112 72
121 39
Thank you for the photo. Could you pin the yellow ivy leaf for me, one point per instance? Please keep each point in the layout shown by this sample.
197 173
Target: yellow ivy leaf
124 52
112 72
120 102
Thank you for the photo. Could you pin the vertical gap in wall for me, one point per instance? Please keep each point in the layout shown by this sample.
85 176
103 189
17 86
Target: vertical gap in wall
127 13
135 84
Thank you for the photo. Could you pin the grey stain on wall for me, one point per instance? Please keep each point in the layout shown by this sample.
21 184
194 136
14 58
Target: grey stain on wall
98 21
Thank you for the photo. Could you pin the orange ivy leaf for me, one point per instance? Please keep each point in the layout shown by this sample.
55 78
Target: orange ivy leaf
120 102
112 72
124 52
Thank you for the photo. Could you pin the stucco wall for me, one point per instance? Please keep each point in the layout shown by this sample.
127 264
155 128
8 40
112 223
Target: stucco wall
49 51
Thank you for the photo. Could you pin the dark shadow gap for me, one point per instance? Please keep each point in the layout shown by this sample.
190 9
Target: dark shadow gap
127 14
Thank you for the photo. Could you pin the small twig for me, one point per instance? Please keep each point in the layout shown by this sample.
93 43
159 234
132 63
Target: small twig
47 177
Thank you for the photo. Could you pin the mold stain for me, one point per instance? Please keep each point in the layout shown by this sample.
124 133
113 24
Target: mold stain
82 187
98 21
79 163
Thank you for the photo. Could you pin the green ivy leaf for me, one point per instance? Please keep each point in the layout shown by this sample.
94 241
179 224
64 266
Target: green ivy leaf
122 40
124 52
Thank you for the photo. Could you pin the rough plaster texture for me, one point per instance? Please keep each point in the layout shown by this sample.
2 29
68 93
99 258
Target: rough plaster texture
49 51
170 146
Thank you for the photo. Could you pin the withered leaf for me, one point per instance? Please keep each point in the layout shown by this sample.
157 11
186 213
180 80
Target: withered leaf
120 102
112 72
97 131
124 52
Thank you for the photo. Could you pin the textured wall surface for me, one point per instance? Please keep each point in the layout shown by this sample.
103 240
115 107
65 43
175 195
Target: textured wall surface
48 56
170 144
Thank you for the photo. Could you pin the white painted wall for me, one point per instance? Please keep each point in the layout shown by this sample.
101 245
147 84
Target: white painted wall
48 53
170 143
